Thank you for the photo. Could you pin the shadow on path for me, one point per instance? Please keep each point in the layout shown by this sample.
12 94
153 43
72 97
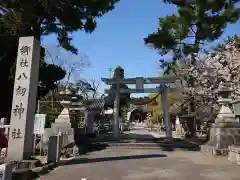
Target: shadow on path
156 143
114 158
140 139
138 136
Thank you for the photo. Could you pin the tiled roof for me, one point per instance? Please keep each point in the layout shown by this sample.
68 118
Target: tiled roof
95 104
89 104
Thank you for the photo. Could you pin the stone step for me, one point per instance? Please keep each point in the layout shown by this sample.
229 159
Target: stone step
134 145
149 145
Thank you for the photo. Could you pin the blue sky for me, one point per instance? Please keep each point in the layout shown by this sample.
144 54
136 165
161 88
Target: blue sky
118 40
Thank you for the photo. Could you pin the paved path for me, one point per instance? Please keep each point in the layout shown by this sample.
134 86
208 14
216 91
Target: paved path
139 130
127 164
144 133
151 164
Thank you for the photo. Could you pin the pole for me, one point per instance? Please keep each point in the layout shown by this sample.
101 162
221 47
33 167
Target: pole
41 145
194 120
150 124
110 72
116 112
34 144
52 100
166 112
38 107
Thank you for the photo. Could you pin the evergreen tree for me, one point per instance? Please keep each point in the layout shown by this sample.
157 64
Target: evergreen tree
124 97
197 22
40 18
44 17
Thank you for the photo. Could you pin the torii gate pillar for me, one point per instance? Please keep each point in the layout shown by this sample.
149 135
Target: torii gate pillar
166 115
115 124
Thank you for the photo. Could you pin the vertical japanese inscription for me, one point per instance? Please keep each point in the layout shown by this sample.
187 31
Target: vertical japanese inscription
16 133
22 76
24 99
25 50
24 62
21 91
18 110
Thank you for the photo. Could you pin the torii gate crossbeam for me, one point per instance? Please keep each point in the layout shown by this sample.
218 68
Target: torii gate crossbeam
139 82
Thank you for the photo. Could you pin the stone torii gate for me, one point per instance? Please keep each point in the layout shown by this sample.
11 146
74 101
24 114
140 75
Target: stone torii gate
139 83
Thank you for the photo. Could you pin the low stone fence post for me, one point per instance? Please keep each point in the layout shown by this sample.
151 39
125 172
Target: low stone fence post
54 148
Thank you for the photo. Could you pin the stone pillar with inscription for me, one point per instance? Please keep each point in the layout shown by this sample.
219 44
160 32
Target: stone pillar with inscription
63 122
24 100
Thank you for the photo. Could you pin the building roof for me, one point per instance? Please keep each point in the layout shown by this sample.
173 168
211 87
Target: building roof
96 104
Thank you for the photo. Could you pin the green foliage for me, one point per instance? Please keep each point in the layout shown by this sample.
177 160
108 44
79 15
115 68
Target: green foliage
196 23
50 105
49 74
38 18
44 17
156 107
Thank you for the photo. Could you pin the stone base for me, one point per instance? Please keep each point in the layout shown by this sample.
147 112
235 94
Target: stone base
211 150
61 127
25 164
223 135
64 128
54 149
234 154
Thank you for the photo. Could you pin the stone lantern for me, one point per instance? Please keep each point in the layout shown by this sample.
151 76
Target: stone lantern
66 96
224 131
188 118
63 123
236 108
225 116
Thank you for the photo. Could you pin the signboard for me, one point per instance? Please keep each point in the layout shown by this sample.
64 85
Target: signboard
2 121
39 123
128 116
2 171
5 172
